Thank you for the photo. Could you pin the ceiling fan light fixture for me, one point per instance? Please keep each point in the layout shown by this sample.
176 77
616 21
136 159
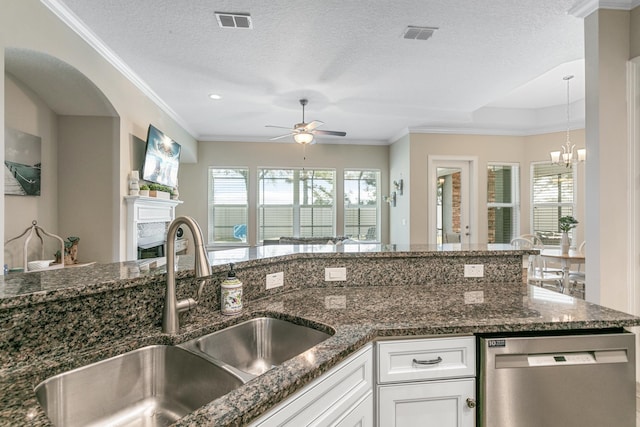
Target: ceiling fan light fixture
303 138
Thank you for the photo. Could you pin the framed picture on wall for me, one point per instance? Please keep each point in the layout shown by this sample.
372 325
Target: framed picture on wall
22 157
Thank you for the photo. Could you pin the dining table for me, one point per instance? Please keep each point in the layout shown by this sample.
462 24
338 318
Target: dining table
565 260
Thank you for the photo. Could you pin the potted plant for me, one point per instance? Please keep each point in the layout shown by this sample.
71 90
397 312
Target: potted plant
566 224
159 191
144 190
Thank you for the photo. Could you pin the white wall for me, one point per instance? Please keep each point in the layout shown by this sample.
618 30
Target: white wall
193 177
86 181
26 112
400 168
607 44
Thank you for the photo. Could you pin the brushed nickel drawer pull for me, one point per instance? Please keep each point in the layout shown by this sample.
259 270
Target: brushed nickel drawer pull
427 362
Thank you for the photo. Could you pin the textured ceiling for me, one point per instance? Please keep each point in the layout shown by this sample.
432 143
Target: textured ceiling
349 59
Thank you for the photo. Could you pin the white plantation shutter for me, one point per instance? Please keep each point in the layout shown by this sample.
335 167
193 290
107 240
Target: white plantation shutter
552 197
228 204
296 203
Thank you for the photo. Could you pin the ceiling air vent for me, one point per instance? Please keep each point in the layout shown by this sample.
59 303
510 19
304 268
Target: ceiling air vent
234 20
418 33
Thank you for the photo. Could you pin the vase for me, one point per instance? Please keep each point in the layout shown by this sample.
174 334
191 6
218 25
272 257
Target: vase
565 242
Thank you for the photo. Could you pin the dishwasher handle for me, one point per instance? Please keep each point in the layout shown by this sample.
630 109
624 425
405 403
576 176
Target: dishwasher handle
427 362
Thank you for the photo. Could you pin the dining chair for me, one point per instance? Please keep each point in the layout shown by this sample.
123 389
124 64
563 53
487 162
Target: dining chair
537 272
577 277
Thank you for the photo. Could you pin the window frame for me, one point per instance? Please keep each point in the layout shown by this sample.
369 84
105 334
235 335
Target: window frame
378 204
516 204
296 206
573 204
211 215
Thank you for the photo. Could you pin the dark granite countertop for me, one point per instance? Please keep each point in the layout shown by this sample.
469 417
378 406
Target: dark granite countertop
358 315
18 289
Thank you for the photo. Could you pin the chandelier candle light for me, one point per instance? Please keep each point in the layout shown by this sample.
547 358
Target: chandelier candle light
569 154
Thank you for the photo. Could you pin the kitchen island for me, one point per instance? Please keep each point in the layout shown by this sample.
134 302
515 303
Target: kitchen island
87 322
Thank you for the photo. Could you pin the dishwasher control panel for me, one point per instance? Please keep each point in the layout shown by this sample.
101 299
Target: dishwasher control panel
561 359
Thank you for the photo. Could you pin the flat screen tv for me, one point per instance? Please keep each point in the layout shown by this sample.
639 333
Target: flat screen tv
161 159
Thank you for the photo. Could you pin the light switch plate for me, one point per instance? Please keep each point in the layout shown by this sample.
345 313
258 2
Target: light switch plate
474 270
335 274
275 280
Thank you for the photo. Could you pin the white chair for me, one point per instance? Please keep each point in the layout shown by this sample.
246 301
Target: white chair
577 278
537 271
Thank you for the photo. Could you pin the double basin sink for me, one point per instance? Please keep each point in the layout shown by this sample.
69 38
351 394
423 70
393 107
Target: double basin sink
156 385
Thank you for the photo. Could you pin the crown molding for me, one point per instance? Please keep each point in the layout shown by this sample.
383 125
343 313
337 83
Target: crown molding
584 8
498 131
322 141
76 25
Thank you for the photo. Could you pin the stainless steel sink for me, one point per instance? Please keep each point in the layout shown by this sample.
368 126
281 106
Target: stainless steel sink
257 345
151 386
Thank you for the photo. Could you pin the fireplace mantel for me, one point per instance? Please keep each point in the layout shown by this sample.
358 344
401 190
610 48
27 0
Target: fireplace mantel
142 210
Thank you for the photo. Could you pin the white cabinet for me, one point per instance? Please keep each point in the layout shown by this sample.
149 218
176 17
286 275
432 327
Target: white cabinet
341 397
426 382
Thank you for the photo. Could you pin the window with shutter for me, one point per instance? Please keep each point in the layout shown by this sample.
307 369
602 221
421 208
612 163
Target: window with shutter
296 203
228 204
552 196
361 204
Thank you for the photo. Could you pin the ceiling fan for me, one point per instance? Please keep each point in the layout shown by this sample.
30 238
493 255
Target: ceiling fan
303 133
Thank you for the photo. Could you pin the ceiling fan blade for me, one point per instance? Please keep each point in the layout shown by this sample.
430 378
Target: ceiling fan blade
280 137
314 124
279 127
329 132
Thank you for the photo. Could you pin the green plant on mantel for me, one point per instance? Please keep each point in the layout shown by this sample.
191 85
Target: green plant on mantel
566 223
159 187
144 187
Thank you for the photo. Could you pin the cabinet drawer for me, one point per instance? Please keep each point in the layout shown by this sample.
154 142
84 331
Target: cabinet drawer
424 359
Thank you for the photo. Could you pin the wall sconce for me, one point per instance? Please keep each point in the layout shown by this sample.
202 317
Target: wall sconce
399 185
391 199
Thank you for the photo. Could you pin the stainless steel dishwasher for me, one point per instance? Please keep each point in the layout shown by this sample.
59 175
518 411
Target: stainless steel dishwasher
557 380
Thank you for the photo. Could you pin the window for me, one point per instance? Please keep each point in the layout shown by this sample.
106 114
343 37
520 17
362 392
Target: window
552 196
295 202
503 202
361 204
228 205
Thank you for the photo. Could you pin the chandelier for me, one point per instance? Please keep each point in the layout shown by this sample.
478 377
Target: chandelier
569 154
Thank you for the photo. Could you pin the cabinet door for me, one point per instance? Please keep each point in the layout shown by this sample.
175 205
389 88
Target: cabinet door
427 404
361 415
326 400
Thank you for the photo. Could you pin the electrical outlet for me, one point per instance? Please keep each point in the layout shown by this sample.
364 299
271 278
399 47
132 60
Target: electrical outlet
335 274
474 297
474 270
333 302
275 280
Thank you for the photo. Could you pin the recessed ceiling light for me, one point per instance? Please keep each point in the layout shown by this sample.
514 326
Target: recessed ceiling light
215 96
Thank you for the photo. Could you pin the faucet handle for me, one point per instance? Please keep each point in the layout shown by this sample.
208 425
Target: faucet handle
186 304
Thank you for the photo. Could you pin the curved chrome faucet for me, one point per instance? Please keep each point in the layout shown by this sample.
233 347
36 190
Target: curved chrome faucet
172 307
